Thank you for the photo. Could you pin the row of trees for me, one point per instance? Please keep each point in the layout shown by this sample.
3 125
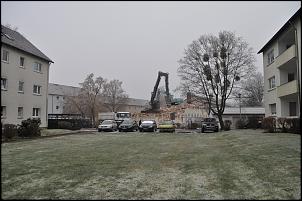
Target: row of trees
219 68
95 95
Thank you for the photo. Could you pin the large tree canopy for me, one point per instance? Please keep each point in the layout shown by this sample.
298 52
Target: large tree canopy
213 65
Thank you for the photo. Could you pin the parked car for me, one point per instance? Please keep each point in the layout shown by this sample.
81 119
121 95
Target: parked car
128 125
167 126
209 124
149 125
107 125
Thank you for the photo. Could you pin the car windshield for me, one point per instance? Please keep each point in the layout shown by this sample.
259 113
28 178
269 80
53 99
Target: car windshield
123 115
127 121
166 123
147 122
209 120
106 122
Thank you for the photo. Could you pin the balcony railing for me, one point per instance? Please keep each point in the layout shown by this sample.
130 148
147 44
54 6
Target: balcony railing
285 56
287 88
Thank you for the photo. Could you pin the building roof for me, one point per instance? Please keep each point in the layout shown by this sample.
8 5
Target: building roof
244 110
64 90
16 40
284 27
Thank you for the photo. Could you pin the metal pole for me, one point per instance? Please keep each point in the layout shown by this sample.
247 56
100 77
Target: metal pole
240 105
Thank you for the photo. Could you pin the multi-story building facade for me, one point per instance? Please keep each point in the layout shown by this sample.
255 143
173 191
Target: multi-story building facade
24 79
282 70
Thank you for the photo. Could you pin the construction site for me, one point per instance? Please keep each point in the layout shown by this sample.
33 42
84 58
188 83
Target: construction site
163 106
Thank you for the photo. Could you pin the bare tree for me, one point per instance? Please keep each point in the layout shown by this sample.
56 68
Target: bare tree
114 95
212 66
90 90
76 104
252 90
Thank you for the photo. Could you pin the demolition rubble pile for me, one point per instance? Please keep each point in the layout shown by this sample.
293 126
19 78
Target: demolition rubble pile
178 113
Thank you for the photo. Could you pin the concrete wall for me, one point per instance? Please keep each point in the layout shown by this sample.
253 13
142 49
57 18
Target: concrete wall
14 73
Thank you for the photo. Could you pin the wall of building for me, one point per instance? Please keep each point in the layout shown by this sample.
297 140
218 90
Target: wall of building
55 104
11 98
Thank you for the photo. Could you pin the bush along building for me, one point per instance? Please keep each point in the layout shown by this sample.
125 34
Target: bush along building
282 71
24 79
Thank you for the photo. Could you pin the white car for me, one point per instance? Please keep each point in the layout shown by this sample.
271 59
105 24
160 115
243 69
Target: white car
107 125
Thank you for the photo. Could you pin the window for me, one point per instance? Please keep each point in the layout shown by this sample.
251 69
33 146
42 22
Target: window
21 87
271 82
37 90
37 67
63 98
58 97
22 62
3 111
36 112
57 107
292 109
20 112
272 108
270 57
291 76
3 83
5 55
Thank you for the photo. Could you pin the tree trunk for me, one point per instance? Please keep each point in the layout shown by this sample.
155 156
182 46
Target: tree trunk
220 121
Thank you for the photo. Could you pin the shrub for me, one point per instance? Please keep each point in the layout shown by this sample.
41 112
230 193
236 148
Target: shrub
10 132
293 125
227 125
30 128
269 124
240 124
194 125
64 125
253 122
283 124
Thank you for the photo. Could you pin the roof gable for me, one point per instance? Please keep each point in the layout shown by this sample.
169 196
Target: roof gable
15 39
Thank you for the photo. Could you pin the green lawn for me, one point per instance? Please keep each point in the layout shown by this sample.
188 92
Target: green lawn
240 164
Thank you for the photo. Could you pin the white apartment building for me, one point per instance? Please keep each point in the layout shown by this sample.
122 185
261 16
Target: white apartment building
58 95
24 79
282 70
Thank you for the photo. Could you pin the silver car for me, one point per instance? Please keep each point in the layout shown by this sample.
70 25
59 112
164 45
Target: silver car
107 125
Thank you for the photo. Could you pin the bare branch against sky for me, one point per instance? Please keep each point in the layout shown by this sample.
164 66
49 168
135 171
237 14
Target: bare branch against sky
132 41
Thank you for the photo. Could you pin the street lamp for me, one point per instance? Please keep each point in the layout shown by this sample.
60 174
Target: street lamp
240 104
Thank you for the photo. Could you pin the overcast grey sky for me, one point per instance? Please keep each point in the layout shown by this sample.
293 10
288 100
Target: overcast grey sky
132 41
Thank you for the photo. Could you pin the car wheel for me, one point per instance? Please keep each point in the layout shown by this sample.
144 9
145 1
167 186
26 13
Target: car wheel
119 130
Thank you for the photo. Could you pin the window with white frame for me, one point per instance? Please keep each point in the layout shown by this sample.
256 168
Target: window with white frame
3 83
3 111
20 112
270 57
5 55
272 108
271 82
22 61
36 112
37 67
21 87
37 89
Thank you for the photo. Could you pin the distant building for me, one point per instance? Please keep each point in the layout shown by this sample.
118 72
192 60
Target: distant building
282 70
233 114
58 95
24 79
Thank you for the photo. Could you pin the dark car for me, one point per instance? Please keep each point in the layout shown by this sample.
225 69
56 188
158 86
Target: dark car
128 125
107 125
149 125
209 124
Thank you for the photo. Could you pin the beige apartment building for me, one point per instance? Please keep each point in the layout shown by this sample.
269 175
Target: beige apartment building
24 79
282 70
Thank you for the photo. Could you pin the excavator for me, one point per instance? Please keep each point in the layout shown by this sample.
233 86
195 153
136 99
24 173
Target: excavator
154 103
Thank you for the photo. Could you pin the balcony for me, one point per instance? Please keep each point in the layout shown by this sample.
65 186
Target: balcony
287 89
285 56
